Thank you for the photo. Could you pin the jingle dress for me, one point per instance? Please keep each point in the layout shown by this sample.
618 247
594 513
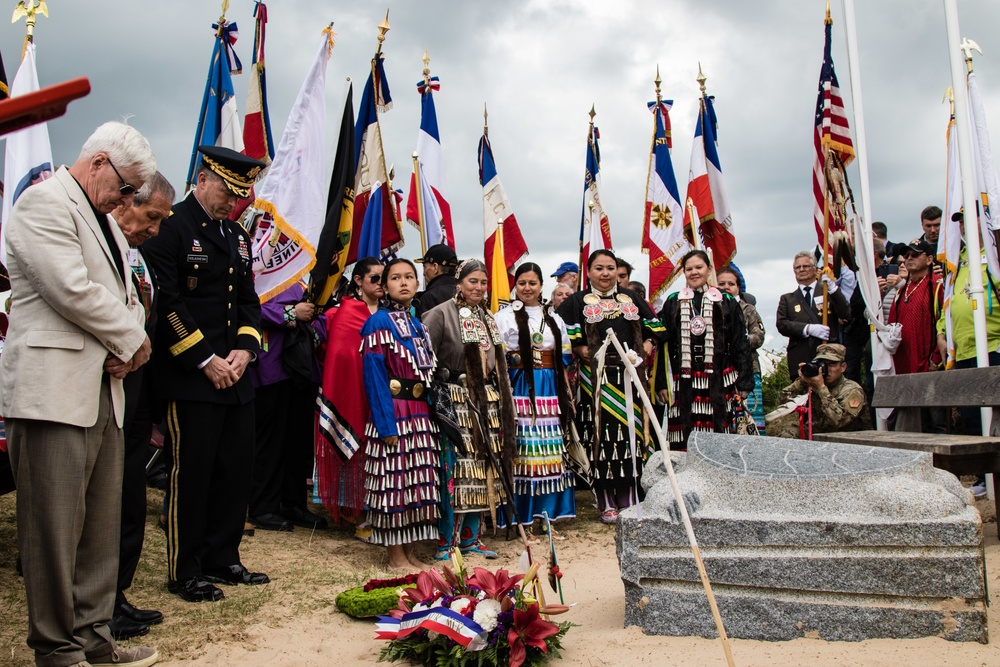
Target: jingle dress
710 361
588 315
402 480
474 408
542 482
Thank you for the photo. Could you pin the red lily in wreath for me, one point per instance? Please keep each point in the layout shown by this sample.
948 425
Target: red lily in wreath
496 586
530 629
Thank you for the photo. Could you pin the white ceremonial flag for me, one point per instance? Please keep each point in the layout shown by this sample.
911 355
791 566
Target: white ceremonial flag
28 157
293 193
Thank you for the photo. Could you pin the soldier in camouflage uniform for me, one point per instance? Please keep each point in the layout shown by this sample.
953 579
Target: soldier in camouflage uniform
838 404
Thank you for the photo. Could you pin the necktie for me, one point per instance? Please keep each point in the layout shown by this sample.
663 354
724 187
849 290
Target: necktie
806 290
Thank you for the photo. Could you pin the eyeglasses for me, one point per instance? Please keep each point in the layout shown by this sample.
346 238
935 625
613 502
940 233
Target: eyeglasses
375 279
804 267
127 188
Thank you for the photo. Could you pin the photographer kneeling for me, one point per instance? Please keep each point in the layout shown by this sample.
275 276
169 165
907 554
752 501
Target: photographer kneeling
838 404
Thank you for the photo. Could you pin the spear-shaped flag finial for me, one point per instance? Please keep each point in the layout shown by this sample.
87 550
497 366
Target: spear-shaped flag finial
383 28
701 79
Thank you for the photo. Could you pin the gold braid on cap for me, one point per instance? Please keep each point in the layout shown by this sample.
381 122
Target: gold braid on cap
238 183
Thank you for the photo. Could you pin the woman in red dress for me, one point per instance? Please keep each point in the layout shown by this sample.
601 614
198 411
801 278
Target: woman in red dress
343 410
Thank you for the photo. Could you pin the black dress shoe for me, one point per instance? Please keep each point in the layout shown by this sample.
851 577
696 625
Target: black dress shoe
271 522
147 616
235 574
122 627
300 516
195 589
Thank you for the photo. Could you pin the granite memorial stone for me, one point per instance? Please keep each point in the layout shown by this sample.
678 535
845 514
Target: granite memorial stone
805 539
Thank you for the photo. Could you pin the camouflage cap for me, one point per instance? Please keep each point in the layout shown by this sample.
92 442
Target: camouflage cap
831 352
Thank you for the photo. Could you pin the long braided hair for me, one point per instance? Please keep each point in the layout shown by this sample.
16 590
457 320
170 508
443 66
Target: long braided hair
525 347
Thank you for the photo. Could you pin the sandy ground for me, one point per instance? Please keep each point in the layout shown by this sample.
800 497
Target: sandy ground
293 621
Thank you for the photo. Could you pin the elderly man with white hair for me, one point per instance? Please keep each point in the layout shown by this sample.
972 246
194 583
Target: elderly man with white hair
76 330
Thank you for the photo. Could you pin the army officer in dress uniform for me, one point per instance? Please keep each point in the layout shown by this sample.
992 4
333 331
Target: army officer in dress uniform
208 331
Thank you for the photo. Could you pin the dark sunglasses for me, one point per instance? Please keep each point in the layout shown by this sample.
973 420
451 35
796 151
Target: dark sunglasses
127 188
375 279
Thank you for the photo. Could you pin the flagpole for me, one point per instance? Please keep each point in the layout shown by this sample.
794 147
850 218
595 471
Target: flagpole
583 260
861 152
587 229
420 203
826 213
960 88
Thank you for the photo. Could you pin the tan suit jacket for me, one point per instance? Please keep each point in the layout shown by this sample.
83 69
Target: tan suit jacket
69 308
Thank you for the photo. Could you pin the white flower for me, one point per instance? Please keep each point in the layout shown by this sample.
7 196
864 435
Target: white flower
459 605
431 635
482 595
486 614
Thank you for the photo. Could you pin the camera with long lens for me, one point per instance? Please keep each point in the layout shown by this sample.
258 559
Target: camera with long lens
811 369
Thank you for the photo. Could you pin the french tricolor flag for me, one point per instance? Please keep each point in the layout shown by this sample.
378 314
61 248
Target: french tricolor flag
706 190
219 121
496 208
372 173
663 236
595 229
436 210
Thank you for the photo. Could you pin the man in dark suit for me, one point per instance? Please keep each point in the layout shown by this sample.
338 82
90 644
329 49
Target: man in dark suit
139 222
800 317
208 331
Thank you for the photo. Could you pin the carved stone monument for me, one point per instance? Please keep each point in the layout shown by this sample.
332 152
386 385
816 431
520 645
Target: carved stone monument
805 539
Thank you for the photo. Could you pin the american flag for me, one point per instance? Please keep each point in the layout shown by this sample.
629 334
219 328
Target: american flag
832 133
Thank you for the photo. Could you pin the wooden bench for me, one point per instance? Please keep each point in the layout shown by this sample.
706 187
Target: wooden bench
908 394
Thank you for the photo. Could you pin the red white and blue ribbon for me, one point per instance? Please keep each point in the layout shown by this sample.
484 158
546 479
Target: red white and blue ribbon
229 33
460 629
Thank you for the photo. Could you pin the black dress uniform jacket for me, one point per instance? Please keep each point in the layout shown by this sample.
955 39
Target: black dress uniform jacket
795 312
206 303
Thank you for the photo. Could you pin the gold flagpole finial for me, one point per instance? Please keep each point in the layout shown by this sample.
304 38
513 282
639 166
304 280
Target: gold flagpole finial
828 20
383 28
967 47
486 118
593 112
657 81
28 9
701 79
949 96
427 67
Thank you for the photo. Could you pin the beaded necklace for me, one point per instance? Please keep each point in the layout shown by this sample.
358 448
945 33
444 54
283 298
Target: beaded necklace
697 325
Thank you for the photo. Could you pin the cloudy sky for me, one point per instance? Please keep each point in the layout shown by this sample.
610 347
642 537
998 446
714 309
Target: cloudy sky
539 65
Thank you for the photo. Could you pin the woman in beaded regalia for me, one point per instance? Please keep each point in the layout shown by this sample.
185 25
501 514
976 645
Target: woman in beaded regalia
402 483
475 411
708 353
538 351
615 465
